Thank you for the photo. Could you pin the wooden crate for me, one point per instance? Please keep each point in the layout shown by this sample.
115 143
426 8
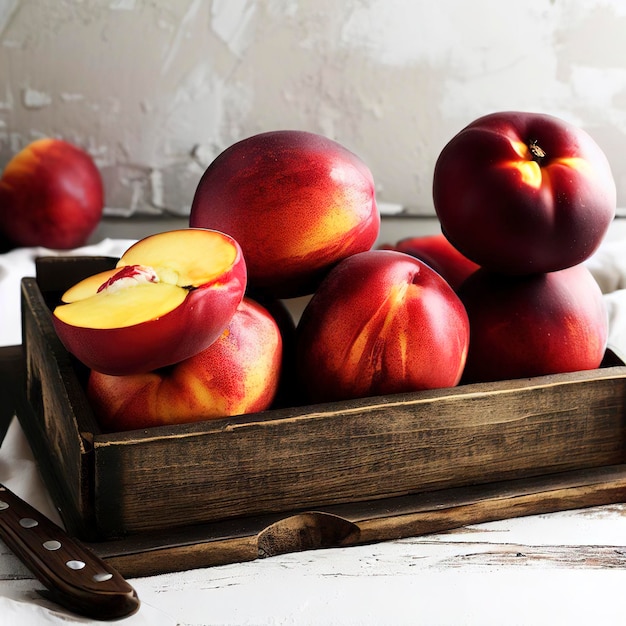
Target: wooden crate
232 489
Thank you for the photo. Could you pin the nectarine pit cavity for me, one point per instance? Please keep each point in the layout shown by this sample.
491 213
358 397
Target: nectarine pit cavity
128 276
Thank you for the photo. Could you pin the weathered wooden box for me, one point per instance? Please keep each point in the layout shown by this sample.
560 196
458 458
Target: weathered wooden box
232 489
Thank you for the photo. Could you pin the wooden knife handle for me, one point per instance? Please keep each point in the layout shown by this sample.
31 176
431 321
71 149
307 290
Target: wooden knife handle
74 576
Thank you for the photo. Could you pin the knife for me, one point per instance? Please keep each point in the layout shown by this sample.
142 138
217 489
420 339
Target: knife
73 575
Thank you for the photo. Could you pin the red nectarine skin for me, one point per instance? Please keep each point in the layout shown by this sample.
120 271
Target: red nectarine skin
523 193
239 373
533 325
296 202
381 322
437 252
51 195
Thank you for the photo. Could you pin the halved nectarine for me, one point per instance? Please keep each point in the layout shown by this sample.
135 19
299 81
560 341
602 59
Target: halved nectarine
171 295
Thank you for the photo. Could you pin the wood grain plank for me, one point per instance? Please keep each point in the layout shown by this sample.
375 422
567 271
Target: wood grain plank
362 523
55 396
294 459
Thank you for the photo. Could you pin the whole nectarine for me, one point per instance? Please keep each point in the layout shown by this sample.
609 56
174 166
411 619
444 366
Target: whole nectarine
534 325
524 193
238 373
296 202
51 195
381 322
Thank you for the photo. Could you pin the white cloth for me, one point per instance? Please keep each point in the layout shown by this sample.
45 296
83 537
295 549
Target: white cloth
18 472
608 266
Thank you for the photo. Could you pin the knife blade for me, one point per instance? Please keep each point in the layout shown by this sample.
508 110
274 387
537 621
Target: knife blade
74 576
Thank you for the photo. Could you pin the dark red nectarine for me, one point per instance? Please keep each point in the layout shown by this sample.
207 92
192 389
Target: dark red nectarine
524 193
534 325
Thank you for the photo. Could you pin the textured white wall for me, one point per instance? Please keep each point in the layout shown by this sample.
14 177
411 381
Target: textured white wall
154 89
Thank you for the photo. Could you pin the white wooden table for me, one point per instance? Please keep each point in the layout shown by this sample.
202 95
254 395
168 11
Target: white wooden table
561 568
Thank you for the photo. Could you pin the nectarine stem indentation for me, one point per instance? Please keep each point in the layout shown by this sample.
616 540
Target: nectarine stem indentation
537 152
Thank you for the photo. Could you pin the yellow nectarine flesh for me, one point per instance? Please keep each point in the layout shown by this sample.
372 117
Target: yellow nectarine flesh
88 286
186 262
146 285
118 308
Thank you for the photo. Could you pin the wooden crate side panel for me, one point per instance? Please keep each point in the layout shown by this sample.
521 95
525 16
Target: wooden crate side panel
56 398
299 461
56 274
359 523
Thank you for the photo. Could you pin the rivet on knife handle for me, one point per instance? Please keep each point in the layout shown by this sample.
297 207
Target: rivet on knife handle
75 577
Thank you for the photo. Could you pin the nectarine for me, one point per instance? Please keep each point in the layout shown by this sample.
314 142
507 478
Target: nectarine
238 373
51 195
534 325
171 295
381 322
296 202
524 193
